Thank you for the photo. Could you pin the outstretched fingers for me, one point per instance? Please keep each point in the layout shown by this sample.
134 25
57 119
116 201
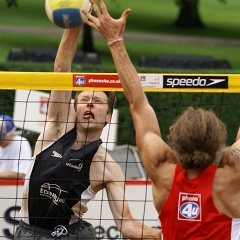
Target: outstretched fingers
125 14
95 8
90 18
103 6
108 27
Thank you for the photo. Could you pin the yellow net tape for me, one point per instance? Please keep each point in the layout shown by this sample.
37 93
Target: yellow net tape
218 83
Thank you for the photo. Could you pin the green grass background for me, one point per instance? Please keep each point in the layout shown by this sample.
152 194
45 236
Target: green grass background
155 16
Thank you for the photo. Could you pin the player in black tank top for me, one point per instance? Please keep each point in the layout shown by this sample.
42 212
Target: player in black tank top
60 191
71 165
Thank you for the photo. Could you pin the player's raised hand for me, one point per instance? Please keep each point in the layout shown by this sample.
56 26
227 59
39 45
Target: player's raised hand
107 26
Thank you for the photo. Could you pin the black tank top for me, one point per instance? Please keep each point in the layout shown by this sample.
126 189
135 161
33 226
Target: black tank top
58 178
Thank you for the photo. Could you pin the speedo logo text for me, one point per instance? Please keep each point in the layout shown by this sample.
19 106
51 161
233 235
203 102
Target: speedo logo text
195 82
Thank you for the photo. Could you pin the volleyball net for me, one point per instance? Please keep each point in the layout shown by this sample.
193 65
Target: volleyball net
24 95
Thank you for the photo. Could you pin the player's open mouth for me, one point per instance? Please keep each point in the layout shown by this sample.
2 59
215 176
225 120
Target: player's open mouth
88 115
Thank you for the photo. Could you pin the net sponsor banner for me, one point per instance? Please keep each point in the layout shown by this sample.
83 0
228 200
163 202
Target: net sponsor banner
195 81
152 81
96 80
113 81
229 83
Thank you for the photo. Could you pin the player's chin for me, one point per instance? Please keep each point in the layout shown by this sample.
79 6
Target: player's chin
96 125
90 123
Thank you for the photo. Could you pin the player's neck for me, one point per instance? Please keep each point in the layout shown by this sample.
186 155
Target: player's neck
193 173
84 138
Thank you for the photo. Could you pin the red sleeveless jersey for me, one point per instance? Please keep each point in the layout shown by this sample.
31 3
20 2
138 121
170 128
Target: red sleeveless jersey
189 212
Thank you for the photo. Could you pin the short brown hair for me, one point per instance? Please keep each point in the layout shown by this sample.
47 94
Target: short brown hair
197 136
112 100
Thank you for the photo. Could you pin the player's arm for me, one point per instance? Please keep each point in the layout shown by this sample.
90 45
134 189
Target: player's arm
126 224
227 180
231 158
11 175
230 164
153 150
238 134
59 100
148 134
229 175
60 109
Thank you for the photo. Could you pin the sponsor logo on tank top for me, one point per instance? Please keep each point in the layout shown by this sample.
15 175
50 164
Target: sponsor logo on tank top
75 163
52 191
189 207
59 230
56 154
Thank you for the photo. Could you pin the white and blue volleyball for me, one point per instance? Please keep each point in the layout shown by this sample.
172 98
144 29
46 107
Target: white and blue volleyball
67 13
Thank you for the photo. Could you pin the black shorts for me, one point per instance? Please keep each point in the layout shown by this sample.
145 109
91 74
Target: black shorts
79 230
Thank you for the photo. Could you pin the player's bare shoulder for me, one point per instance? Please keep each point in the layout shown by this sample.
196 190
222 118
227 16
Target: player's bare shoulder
47 137
104 169
103 160
102 155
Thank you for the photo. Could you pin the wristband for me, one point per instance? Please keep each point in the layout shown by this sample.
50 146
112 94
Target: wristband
114 41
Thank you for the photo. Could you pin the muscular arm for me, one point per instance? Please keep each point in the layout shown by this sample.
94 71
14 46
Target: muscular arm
126 224
11 175
226 198
153 149
61 115
106 173
231 158
148 136
238 134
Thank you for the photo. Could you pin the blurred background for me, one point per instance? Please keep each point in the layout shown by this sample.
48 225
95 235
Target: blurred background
156 27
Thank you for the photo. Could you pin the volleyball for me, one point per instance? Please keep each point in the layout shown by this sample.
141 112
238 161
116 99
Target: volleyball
67 13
